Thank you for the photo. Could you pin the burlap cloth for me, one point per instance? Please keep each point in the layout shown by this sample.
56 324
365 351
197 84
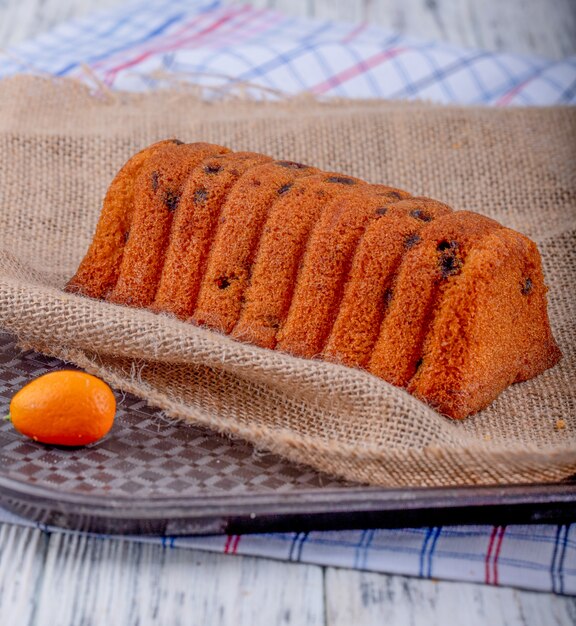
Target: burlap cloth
60 148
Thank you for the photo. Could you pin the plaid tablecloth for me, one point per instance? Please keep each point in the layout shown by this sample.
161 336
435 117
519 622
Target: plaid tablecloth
145 45
541 557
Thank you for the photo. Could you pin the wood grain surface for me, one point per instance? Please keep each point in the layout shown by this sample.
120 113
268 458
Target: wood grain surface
540 27
72 580
545 28
372 600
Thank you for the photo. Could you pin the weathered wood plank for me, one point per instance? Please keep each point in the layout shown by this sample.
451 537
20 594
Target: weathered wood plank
375 599
539 27
22 19
22 555
542 27
89 581
337 10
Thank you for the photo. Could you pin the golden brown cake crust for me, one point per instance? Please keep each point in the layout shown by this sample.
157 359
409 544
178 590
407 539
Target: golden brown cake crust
449 304
369 285
99 270
232 255
194 228
431 260
157 194
280 251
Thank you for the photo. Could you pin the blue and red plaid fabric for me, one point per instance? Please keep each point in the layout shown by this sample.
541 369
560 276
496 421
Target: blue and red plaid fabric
143 45
146 45
541 557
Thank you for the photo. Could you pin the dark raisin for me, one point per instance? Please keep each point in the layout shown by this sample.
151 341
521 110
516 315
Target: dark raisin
292 165
446 245
177 142
526 287
284 188
388 296
200 195
154 178
450 264
272 322
256 182
418 363
343 180
212 168
392 194
381 210
126 236
171 200
412 240
421 215
223 282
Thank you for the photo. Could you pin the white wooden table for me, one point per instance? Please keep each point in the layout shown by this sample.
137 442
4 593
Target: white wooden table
71 580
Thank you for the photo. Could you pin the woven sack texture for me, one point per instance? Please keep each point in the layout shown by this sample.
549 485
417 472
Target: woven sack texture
60 147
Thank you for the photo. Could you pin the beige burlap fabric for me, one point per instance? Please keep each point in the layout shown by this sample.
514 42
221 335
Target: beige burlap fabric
59 149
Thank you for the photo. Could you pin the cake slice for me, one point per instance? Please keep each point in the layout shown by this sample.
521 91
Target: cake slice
194 227
448 304
489 328
368 290
232 255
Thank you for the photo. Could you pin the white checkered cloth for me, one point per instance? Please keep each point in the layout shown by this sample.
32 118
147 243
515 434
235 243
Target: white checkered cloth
541 557
144 45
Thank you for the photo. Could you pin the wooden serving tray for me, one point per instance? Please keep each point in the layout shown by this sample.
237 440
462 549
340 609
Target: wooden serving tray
153 476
